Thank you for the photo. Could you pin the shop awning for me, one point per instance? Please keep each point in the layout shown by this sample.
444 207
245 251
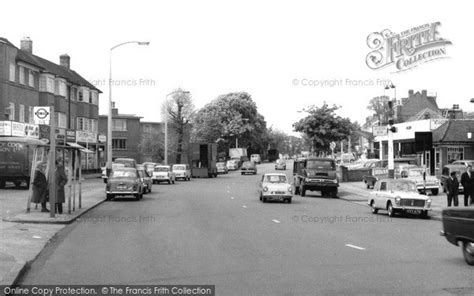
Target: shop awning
80 147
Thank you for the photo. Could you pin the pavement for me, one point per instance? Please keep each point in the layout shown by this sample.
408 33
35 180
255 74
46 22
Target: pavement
24 235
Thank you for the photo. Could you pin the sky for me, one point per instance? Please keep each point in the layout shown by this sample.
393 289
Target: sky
287 55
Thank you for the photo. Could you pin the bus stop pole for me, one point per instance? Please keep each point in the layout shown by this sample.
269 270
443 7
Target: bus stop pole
69 177
32 179
52 164
80 180
75 181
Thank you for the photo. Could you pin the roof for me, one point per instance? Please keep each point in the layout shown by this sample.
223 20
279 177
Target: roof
454 131
421 115
50 67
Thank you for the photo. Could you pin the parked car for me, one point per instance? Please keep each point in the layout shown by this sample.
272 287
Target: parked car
256 158
146 180
280 164
458 228
275 186
446 173
104 170
232 165
464 162
124 181
127 162
248 167
182 171
222 168
399 196
163 173
424 182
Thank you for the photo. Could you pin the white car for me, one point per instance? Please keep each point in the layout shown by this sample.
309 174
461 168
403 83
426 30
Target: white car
399 196
182 171
163 173
430 184
232 165
275 186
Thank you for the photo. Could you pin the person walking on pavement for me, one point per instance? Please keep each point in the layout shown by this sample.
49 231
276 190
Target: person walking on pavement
61 181
467 182
452 187
40 186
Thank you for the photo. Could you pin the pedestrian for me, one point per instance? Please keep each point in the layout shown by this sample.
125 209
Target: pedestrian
61 181
467 182
452 187
40 186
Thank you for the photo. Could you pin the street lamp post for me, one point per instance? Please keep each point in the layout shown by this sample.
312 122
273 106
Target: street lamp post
109 117
166 123
391 164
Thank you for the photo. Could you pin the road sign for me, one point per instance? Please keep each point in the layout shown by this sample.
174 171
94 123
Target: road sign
41 115
332 145
379 131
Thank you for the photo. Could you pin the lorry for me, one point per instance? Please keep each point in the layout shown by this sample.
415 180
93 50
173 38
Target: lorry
315 174
239 155
273 155
203 159
16 157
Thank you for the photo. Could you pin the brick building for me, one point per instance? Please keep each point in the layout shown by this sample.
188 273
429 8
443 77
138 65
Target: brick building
27 80
126 134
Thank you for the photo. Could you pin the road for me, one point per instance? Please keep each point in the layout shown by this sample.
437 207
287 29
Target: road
216 231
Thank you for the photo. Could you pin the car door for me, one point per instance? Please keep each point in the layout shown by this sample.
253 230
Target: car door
381 194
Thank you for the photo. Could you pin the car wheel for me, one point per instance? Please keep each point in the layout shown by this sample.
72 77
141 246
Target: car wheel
288 200
374 209
169 181
172 181
260 196
137 196
424 214
264 199
434 191
334 193
390 210
297 189
468 252
110 196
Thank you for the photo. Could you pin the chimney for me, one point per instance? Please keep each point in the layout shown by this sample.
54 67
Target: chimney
26 44
65 61
410 93
114 110
424 93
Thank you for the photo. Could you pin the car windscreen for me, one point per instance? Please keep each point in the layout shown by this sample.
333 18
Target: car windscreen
124 174
320 164
404 186
161 169
126 163
179 167
275 179
247 165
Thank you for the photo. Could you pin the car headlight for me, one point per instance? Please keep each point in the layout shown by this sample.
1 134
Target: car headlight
290 189
265 189
306 179
397 200
428 202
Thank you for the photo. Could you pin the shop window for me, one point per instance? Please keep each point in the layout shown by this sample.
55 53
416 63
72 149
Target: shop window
455 153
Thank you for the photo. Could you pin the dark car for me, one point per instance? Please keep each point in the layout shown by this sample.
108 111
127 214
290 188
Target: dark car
458 228
248 167
124 181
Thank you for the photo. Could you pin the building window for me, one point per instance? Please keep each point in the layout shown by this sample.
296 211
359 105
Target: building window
31 118
21 74
11 113
94 126
73 94
62 91
119 144
94 98
80 96
80 124
455 153
119 125
60 119
12 72
437 159
21 113
31 79
47 83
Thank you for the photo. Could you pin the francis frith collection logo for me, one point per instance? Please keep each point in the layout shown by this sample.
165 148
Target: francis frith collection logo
407 49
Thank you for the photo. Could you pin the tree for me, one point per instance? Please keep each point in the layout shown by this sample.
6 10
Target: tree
380 108
179 109
322 126
230 118
151 148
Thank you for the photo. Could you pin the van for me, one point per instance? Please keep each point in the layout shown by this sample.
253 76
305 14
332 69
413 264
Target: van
182 171
256 158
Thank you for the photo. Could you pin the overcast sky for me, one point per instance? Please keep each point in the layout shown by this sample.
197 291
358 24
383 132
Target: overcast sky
262 47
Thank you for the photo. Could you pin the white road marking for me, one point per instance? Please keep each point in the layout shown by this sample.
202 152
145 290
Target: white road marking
355 247
276 221
36 236
244 206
